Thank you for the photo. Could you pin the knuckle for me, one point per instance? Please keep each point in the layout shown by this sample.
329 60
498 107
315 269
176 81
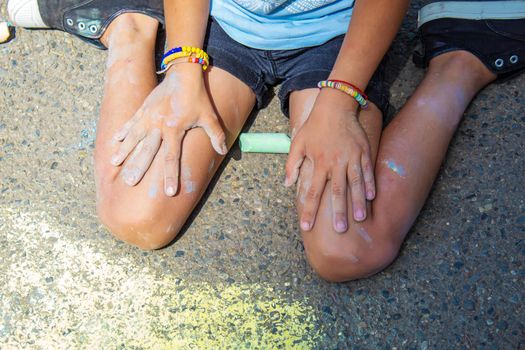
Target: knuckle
147 148
170 157
312 193
320 160
170 179
337 190
338 157
356 180
367 166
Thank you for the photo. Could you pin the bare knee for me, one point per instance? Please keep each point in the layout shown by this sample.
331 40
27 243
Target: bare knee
352 255
145 224
462 64
127 28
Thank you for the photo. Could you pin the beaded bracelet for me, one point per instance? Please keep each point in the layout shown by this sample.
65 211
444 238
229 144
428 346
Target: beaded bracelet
184 51
171 63
352 85
204 61
347 88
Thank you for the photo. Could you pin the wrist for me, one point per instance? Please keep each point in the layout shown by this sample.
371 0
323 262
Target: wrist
185 75
186 70
338 100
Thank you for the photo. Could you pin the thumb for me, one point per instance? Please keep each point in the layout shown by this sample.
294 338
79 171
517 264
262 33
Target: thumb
217 137
294 161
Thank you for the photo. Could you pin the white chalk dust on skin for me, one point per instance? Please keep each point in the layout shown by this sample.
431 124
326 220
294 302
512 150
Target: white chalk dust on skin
120 65
169 228
153 189
156 178
187 183
62 291
307 108
353 258
210 167
305 180
364 235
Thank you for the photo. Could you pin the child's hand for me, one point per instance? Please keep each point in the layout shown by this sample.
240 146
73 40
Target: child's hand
334 141
176 105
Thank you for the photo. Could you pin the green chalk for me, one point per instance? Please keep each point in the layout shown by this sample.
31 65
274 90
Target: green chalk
264 142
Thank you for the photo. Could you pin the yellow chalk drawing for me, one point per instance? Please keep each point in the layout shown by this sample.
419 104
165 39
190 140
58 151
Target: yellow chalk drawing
72 295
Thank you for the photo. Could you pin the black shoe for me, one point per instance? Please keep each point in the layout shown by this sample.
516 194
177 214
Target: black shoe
87 20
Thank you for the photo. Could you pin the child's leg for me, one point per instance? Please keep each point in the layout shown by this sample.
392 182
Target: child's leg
143 215
410 152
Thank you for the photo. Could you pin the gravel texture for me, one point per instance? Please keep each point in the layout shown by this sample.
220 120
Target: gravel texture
242 282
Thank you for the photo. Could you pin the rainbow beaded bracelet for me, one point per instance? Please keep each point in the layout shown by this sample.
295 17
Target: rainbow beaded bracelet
347 88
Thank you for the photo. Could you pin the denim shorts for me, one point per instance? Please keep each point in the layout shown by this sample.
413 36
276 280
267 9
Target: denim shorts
295 69
494 31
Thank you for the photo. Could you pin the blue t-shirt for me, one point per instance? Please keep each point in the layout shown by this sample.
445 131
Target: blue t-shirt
282 24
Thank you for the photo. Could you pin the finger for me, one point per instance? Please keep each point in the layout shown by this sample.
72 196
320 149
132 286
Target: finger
213 128
136 167
134 136
172 147
339 211
294 161
368 174
124 130
312 199
357 186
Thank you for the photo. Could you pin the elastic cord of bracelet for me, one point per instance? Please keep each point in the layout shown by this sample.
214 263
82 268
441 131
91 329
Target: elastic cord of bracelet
347 89
202 61
183 51
178 60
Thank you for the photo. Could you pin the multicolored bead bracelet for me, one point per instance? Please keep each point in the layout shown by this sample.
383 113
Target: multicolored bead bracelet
347 88
178 60
196 55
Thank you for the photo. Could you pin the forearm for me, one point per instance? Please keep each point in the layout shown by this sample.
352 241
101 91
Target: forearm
373 26
186 22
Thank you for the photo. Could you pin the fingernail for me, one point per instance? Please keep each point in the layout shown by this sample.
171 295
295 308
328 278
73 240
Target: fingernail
115 160
287 182
170 191
340 226
370 195
117 136
130 179
359 214
224 148
305 226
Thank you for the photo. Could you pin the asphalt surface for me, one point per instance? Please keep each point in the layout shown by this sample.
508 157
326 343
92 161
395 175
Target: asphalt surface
237 278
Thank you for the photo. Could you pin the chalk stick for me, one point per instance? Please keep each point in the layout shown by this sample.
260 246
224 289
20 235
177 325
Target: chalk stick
264 142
